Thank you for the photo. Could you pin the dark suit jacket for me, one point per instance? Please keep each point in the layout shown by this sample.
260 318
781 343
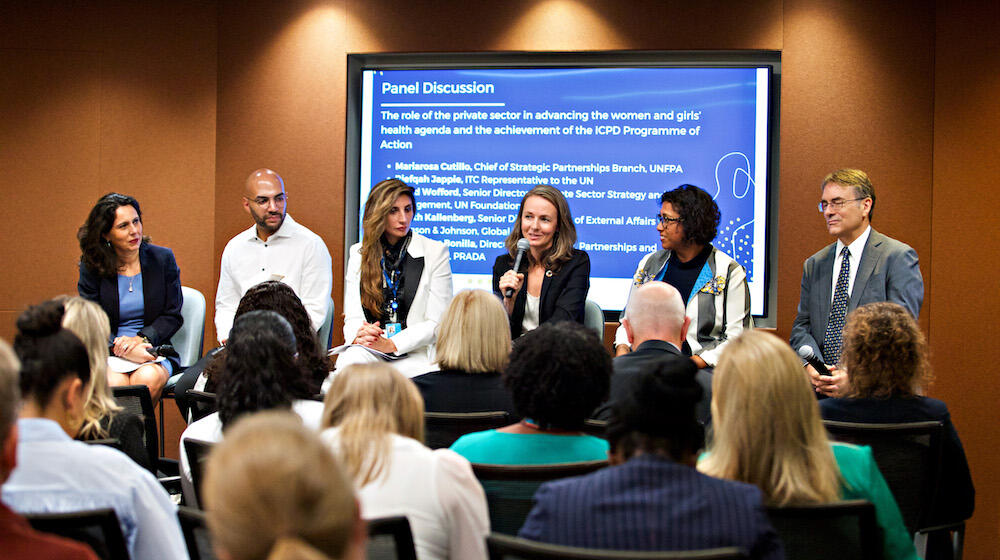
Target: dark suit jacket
161 293
563 296
652 503
957 496
650 355
458 391
889 271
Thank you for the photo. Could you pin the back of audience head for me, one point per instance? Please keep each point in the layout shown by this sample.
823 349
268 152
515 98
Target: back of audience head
474 334
766 424
10 401
259 370
558 374
369 403
89 323
658 418
885 353
655 311
55 368
274 490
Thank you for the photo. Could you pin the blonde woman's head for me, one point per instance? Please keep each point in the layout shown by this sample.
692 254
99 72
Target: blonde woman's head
474 335
274 490
89 323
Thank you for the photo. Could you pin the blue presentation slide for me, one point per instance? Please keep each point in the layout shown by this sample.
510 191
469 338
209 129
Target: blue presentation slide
473 142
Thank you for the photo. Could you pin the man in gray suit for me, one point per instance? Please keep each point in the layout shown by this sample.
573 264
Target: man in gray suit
862 266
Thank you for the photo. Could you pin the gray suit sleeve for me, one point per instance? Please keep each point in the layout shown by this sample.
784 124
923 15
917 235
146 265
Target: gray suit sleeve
905 284
802 327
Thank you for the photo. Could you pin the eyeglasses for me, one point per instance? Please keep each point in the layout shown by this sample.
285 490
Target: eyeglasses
264 202
664 220
837 203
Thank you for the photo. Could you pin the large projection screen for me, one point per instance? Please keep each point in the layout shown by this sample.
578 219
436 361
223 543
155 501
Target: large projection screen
473 132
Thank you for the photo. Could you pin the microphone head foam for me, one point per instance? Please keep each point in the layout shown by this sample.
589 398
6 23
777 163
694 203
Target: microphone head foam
806 352
523 244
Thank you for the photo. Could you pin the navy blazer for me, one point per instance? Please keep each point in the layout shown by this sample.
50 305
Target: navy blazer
652 503
161 293
956 497
563 296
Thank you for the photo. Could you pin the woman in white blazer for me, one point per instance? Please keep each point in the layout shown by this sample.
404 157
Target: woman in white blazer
398 285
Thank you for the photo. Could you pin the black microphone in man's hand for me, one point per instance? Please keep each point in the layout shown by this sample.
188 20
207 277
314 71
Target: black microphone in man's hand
806 353
522 247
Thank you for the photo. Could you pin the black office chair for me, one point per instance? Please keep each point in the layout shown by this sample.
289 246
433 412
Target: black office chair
196 535
595 427
443 428
136 399
98 529
107 442
202 404
505 546
510 489
197 454
390 538
833 531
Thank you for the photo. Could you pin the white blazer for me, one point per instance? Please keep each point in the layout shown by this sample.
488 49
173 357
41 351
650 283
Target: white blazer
430 301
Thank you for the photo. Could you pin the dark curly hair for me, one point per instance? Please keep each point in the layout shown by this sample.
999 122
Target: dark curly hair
95 252
660 416
280 298
884 353
48 352
259 370
698 212
558 374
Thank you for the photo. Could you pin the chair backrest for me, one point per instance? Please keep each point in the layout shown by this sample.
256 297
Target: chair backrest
505 546
833 531
909 457
593 318
196 535
595 427
390 538
189 339
201 404
97 528
111 442
510 489
136 399
197 454
441 429
326 329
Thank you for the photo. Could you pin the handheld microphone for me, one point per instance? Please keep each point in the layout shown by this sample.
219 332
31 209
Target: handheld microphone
522 247
165 350
806 353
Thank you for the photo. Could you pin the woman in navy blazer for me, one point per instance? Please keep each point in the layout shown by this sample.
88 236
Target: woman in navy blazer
556 274
136 283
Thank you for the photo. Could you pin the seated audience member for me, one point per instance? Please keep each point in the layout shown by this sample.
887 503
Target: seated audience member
56 474
20 541
102 417
275 491
266 296
652 497
558 374
260 372
767 431
375 424
655 326
885 355
473 347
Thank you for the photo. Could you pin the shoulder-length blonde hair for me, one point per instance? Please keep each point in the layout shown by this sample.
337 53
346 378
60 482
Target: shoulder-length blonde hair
369 403
274 490
565 236
474 334
90 324
380 200
885 352
766 424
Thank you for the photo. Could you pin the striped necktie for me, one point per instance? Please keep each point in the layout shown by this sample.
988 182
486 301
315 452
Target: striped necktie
838 311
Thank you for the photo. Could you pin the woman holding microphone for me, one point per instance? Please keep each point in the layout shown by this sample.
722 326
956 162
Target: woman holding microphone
552 279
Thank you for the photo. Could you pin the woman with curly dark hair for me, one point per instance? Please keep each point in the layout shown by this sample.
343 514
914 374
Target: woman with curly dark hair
712 285
260 371
557 375
885 356
137 284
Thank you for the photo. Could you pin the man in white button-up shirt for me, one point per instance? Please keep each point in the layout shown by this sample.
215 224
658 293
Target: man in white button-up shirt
276 247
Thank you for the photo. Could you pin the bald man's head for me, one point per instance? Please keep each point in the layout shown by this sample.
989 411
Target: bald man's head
656 312
265 200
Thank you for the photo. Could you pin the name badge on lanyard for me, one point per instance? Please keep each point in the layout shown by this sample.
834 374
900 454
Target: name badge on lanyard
392 326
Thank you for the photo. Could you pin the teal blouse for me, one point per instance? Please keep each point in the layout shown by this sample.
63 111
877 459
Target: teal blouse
500 448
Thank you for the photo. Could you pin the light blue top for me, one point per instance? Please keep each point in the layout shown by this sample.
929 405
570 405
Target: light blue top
500 448
132 311
56 474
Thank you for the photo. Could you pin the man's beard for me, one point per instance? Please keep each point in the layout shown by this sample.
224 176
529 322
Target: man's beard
264 226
